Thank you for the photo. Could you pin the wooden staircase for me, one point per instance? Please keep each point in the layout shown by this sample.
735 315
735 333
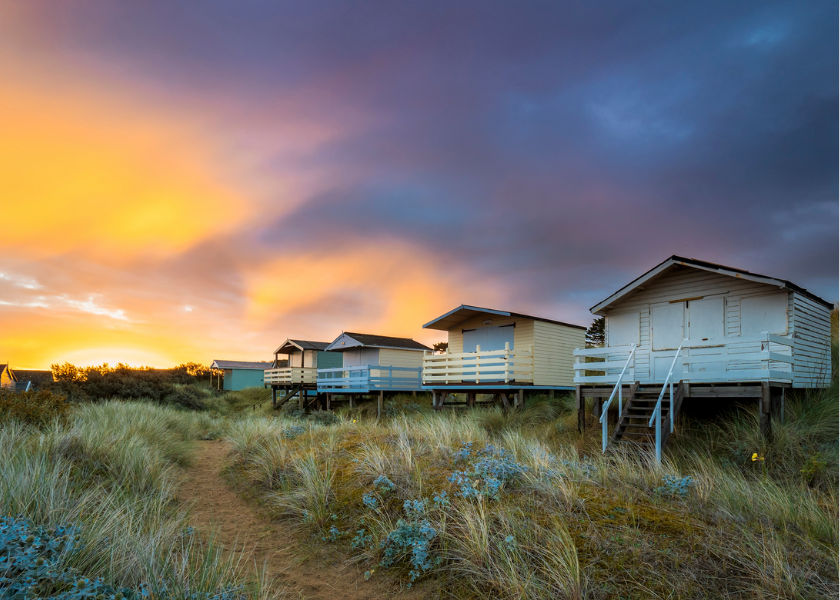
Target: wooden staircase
292 392
632 427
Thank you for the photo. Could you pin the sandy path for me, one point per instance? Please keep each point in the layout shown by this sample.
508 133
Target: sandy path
217 508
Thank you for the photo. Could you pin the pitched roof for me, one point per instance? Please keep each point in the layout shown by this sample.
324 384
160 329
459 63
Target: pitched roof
235 364
38 378
465 312
367 340
706 266
292 345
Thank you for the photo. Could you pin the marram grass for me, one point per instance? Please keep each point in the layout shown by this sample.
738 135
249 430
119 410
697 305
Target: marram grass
575 523
112 471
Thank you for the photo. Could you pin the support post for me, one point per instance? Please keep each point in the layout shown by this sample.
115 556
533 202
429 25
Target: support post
776 398
329 401
471 399
352 400
434 398
551 394
580 404
597 407
764 409
380 405
273 396
505 401
301 398
520 398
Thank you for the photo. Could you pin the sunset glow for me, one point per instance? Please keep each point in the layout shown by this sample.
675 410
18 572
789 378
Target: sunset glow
178 187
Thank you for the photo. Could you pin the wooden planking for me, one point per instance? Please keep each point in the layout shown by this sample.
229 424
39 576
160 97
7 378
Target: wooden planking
812 335
554 347
400 358
523 333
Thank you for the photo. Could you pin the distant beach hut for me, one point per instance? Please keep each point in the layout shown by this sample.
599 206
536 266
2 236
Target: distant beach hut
372 364
239 375
500 353
297 373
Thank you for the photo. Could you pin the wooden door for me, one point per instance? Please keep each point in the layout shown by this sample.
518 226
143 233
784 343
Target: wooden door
706 322
667 329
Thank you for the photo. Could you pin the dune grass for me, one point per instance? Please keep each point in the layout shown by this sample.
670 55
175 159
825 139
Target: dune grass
112 470
550 516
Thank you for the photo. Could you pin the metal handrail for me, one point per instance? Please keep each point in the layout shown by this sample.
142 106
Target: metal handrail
606 406
657 410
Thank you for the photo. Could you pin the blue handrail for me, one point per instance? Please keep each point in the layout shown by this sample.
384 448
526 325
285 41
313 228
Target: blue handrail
657 411
603 420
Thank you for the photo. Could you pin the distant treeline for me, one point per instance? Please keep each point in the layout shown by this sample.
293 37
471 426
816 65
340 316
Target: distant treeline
186 385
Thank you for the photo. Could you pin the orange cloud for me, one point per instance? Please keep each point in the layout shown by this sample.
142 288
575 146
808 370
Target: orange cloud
77 173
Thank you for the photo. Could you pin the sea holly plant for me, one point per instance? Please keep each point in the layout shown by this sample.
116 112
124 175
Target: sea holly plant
383 485
33 564
491 468
674 486
412 538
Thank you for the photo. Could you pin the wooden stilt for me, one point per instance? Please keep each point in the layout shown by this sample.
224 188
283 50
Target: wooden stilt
302 398
580 404
414 394
471 400
380 405
551 394
764 409
273 396
505 401
596 409
520 398
352 400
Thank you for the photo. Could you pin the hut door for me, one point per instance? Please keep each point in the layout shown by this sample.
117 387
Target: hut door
705 322
667 327
489 338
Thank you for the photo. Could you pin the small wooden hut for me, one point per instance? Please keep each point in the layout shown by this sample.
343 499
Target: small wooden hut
707 331
297 373
372 364
500 353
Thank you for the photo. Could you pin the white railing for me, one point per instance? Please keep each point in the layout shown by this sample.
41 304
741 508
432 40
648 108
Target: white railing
368 378
479 367
291 376
619 383
616 353
657 410
732 359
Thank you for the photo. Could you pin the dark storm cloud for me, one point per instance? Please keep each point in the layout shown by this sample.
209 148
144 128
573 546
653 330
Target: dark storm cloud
553 145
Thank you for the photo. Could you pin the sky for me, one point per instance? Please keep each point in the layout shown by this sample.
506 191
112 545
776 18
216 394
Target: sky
190 181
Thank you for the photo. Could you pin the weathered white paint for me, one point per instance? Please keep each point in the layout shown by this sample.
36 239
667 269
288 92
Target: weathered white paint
746 305
624 328
360 357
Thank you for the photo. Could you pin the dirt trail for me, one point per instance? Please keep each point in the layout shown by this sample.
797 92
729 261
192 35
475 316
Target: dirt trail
218 508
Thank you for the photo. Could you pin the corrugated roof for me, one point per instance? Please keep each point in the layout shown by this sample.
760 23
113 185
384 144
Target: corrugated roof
292 345
235 364
380 341
708 266
465 312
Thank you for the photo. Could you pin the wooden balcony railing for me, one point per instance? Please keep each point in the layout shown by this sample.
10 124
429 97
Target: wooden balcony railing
369 378
508 365
744 358
291 376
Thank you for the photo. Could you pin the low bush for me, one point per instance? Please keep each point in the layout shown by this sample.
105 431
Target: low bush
37 408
